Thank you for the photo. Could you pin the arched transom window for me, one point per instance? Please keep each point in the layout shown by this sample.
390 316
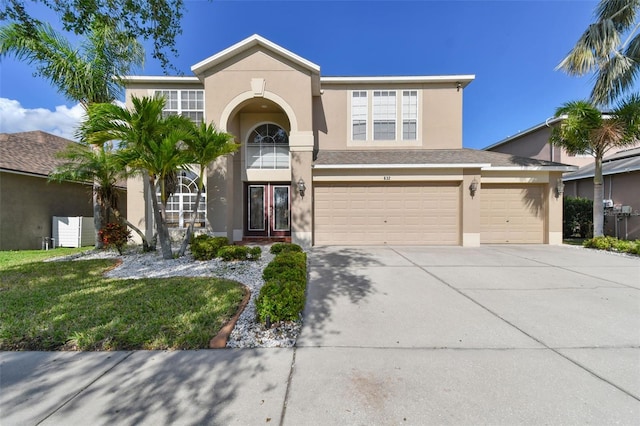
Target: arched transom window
268 148
180 204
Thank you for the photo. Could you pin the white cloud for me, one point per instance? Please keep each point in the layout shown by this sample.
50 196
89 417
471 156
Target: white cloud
63 121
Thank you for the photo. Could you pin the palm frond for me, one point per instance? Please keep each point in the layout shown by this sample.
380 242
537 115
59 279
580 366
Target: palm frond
613 78
621 12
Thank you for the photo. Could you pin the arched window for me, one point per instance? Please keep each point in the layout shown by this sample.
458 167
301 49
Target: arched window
180 204
268 147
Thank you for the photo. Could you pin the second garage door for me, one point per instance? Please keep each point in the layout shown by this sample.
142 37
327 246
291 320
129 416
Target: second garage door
407 213
512 214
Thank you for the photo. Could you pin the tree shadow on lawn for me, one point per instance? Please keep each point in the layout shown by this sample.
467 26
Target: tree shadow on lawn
334 273
146 387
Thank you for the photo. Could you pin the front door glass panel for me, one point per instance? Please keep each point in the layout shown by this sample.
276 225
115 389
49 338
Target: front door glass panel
256 208
281 208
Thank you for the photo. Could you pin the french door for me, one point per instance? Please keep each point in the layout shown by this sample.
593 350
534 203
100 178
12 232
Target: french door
268 210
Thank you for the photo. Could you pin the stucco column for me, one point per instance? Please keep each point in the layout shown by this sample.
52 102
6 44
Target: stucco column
217 187
301 146
470 208
554 210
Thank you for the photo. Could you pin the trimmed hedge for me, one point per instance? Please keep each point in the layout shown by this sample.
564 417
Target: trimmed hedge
282 297
278 248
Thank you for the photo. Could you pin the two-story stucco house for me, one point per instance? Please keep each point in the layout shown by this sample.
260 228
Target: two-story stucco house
348 160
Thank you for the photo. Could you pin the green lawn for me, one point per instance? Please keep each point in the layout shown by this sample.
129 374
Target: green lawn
71 306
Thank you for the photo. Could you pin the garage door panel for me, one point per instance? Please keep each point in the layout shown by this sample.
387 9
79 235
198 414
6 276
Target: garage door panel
512 214
387 214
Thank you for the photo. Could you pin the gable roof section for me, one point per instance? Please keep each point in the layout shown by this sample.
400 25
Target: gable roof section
32 152
436 158
548 123
621 162
248 43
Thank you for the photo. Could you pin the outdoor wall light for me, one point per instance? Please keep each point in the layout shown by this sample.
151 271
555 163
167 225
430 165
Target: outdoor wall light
559 188
473 187
301 187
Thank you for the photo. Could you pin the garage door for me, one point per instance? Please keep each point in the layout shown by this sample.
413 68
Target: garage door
401 214
512 214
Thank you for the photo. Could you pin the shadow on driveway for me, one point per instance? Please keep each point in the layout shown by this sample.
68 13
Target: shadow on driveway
335 273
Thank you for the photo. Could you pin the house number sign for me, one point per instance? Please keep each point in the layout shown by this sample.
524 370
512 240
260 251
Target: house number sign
387 178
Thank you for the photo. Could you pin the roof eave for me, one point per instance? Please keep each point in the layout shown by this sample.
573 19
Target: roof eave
463 80
246 44
142 79
400 166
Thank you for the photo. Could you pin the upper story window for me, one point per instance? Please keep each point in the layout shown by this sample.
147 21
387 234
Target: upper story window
359 112
188 103
409 115
384 115
267 147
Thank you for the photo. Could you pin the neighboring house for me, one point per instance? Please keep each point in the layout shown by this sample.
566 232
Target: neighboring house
348 160
621 183
534 143
28 201
621 173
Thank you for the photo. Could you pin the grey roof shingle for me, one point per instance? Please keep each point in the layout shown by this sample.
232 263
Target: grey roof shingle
31 152
621 162
428 157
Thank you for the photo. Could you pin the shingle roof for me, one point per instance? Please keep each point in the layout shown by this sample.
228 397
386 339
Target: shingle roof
431 157
31 152
621 162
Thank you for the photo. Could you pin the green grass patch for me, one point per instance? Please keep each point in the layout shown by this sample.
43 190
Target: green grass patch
574 241
20 257
71 306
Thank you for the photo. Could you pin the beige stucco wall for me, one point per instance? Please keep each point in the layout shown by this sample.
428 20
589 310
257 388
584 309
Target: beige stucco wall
439 122
535 144
228 86
28 203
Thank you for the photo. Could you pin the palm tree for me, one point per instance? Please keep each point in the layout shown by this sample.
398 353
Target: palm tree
102 166
611 48
586 129
151 145
206 144
87 74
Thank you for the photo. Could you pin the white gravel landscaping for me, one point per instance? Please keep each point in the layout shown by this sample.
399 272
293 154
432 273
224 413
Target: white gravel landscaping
247 333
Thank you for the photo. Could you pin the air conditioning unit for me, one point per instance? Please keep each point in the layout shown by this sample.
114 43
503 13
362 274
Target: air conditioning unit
625 210
608 204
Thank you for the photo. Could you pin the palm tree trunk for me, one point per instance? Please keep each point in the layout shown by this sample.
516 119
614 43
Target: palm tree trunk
161 226
187 237
145 244
598 197
97 216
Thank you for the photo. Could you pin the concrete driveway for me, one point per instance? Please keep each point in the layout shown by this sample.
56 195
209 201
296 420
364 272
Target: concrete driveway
392 336
452 335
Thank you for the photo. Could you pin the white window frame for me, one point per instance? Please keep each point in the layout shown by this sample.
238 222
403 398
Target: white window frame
410 113
178 213
357 113
183 103
250 146
385 112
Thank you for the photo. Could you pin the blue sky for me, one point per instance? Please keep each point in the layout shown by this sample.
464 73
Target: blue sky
512 46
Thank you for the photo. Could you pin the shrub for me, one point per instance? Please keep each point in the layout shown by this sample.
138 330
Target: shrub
613 244
229 253
280 301
277 248
114 234
206 247
285 261
282 297
577 219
